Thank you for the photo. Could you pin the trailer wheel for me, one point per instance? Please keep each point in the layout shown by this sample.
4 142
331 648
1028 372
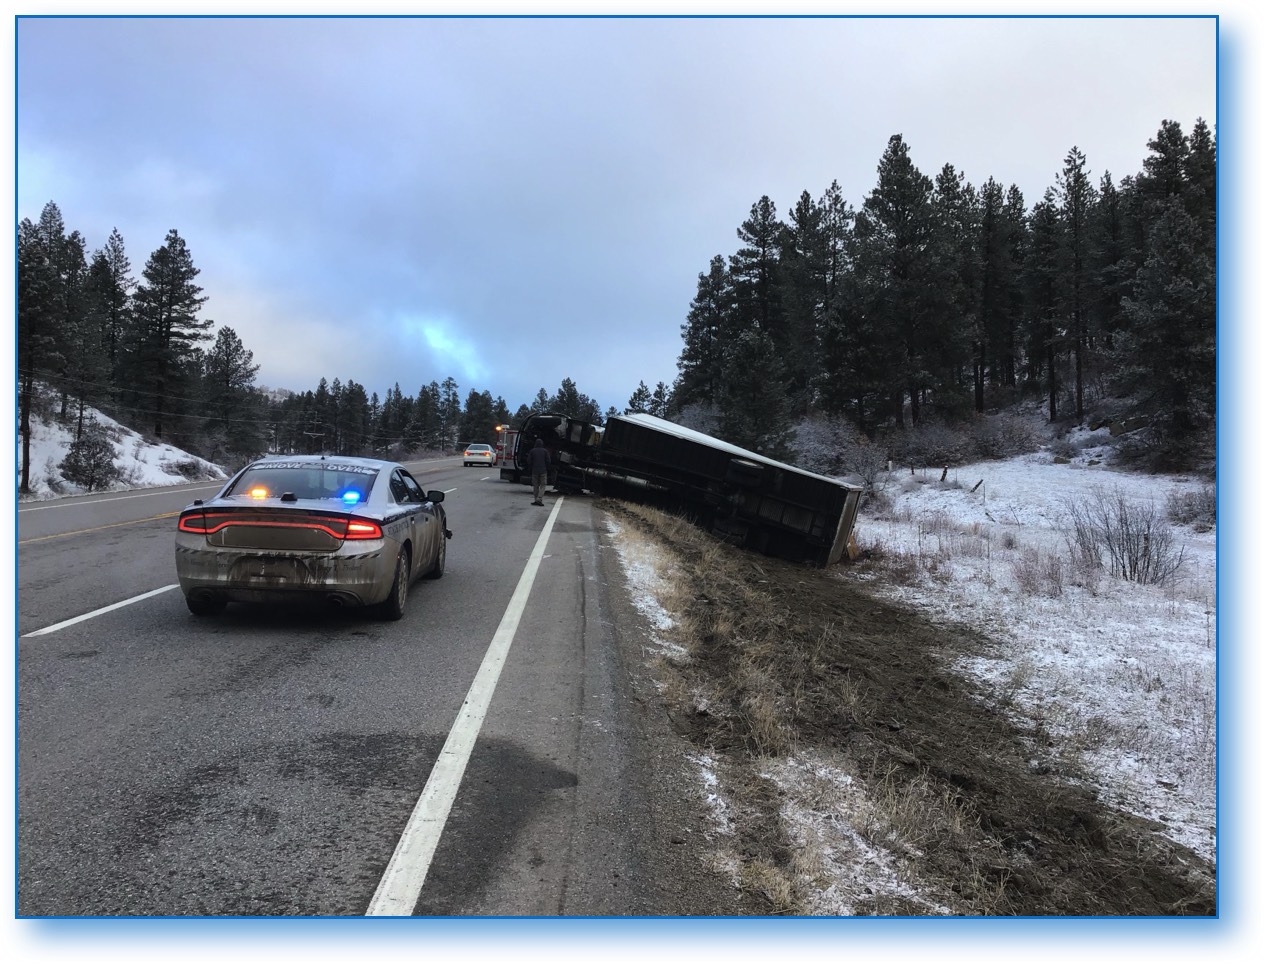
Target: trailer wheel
732 531
744 472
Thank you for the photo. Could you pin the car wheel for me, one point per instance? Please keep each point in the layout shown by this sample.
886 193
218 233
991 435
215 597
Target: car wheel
436 571
205 603
393 606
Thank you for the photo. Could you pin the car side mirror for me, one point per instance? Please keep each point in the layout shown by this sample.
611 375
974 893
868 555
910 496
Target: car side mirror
434 495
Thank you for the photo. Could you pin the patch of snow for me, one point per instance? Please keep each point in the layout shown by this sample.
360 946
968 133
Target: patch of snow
1127 669
1124 671
142 463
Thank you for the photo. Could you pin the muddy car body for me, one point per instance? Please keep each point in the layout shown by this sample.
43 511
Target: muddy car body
344 531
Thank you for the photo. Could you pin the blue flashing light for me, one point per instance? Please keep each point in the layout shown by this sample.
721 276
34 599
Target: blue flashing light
351 497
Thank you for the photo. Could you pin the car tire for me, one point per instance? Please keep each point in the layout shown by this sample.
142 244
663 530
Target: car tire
436 571
392 607
205 603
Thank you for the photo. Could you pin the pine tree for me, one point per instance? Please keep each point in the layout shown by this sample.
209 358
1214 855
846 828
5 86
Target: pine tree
640 400
660 400
1113 267
710 321
449 413
83 373
1045 336
755 274
1164 170
43 309
753 404
426 426
956 328
802 270
899 270
566 400
478 421
1076 203
167 330
111 284
999 302
1200 186
1171 343
231 403
354 425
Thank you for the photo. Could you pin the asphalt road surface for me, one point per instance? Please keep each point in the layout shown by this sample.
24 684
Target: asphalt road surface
271 761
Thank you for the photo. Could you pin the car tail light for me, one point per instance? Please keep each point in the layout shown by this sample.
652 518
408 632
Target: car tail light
208 523
195 522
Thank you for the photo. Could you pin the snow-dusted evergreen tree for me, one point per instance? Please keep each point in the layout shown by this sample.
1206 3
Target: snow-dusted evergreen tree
1045 335
901 280
1170 347
1076 201
89 461
47 296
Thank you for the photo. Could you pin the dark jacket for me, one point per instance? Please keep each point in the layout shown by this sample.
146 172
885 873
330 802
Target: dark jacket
538 459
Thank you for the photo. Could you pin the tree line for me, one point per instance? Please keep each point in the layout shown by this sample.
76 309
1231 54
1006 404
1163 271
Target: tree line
938 299
932 300
137 349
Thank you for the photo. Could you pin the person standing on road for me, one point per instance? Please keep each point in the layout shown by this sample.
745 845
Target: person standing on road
538 466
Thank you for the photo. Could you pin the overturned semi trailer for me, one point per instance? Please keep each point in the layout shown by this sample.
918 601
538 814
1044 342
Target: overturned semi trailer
743 497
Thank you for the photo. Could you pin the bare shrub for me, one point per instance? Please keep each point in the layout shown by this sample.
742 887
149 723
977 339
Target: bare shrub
929 443
1065 448
1038 574
190 469
833 446
1131 538
901 567
1003 436
1195 508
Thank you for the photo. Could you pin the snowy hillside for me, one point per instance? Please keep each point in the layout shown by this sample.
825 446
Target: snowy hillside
141 463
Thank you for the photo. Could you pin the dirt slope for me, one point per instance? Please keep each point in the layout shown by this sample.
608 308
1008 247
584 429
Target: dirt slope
986 816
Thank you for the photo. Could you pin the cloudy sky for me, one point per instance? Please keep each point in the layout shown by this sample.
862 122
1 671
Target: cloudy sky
515 201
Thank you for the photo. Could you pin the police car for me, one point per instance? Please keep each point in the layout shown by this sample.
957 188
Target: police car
342 531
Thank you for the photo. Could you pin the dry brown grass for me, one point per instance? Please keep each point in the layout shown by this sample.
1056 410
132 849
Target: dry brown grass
786 662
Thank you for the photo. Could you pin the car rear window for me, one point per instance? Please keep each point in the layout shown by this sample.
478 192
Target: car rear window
479 448
331 480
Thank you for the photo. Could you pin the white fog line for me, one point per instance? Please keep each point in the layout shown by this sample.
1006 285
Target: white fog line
118 498
98 612
400 886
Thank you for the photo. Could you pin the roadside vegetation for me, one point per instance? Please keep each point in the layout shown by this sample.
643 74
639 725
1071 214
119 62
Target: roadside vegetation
987 713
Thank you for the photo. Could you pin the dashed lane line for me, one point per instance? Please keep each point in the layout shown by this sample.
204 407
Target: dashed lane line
98 612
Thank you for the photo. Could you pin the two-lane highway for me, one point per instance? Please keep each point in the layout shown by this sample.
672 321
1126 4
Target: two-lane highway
271 761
